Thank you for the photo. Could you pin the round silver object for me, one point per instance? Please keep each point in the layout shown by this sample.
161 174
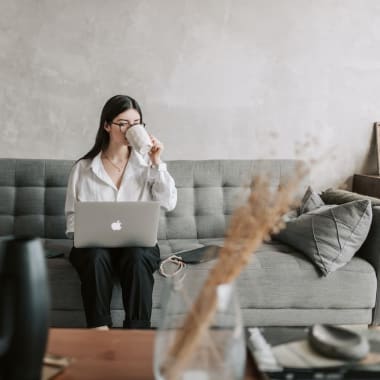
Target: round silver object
337 342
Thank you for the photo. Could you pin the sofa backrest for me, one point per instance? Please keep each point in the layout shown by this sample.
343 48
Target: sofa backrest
32 195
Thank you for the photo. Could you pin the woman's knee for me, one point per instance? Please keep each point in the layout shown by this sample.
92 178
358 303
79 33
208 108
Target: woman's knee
141 256
132 254
90 257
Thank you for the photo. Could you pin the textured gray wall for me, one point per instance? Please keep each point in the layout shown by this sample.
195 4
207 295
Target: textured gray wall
215 78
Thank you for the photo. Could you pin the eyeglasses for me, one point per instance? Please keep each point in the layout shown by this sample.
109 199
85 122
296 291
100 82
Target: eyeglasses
125 125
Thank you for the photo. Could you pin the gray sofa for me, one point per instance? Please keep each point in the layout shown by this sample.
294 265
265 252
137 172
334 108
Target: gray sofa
279 287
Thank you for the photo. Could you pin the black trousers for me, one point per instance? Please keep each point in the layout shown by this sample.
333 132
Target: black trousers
97 268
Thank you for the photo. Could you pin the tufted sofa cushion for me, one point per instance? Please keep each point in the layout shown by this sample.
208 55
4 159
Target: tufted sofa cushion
32 197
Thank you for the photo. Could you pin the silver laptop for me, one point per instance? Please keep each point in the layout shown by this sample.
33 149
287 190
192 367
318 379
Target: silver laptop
116 224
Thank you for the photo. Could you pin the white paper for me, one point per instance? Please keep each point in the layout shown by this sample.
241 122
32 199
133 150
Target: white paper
224 295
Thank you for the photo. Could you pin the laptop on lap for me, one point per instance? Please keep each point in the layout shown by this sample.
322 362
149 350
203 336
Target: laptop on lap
116 224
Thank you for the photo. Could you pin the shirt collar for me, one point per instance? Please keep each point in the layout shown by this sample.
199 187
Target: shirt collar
98 169
135 160
96 163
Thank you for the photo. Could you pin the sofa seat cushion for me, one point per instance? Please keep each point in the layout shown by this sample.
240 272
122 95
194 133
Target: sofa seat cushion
65 293
276 277
171 246
65 283
280 277
167 247
57 247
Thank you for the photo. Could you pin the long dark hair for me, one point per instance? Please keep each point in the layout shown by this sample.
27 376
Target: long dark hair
113 107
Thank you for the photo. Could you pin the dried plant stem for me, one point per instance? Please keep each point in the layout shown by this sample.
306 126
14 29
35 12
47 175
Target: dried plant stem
250 225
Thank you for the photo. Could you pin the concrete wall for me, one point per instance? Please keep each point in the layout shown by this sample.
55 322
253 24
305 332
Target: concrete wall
215 78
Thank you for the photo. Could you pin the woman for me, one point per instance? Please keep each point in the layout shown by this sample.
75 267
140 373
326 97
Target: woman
113 171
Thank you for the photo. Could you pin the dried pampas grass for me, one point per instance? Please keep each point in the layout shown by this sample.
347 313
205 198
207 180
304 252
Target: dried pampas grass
250 224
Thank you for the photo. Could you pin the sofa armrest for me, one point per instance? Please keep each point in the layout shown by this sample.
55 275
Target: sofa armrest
338 196
370 249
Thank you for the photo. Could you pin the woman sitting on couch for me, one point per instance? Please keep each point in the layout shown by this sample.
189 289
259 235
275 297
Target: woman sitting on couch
100 175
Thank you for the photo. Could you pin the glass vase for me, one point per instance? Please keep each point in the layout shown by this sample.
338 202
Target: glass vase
219 352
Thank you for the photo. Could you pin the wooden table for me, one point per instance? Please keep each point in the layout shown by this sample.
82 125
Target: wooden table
116 354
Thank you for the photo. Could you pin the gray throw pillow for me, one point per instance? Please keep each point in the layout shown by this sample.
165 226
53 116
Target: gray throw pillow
310 201
329 235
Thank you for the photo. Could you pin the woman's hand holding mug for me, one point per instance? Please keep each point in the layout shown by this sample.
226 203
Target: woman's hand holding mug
156 150
143 143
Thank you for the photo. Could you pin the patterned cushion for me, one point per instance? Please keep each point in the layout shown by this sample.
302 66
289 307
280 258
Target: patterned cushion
329 235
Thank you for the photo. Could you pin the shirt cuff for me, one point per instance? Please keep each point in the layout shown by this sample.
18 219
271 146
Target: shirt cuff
160 167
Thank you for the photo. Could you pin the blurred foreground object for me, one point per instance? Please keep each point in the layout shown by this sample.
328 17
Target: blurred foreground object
24 308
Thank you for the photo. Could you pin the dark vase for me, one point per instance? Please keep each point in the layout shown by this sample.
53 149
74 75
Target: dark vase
24 308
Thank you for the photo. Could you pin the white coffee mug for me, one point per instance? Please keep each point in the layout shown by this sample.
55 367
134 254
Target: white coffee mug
139 139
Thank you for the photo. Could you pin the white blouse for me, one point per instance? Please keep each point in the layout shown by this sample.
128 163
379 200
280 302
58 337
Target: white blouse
89 181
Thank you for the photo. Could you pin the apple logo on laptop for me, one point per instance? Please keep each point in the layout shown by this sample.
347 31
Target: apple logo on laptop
116 226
